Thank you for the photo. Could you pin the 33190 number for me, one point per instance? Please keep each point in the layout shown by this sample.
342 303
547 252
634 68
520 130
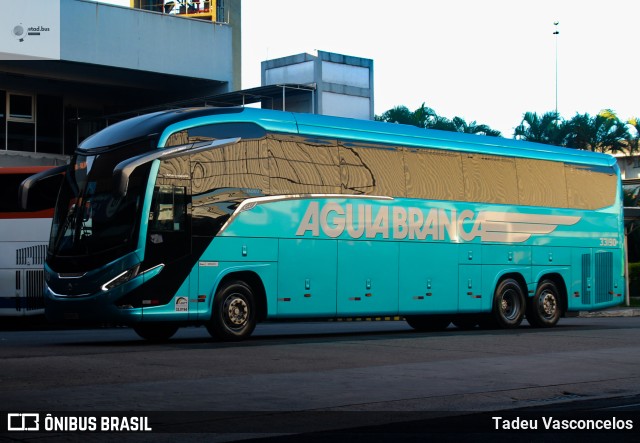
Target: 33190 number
607 241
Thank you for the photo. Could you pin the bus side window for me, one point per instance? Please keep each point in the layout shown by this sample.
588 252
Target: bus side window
303 166
590 187
168 209
490 179
434 174
372 169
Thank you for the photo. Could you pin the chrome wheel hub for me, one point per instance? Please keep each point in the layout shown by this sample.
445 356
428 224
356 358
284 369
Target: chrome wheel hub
237 311
548 305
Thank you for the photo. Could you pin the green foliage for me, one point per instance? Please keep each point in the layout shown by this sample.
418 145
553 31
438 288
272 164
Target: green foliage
547 129
604 132
425 117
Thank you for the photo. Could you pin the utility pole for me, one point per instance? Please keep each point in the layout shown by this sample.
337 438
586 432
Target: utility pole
556 33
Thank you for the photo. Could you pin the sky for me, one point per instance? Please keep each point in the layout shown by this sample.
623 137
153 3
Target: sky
486 61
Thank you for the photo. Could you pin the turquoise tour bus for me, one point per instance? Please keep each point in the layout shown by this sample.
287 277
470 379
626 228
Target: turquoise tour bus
225 217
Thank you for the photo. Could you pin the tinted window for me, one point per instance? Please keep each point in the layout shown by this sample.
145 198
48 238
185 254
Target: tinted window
215 132
303 166
434 174
590 187
372 169
490 179
541 183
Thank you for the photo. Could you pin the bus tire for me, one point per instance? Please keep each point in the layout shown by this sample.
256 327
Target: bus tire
544 308
425 323
234 312
156 332
508 304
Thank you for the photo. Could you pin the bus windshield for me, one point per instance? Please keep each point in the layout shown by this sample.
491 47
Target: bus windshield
91 224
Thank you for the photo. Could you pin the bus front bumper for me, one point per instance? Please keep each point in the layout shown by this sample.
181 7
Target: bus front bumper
100 307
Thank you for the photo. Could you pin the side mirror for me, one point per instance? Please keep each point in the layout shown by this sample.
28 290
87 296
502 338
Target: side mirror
40 191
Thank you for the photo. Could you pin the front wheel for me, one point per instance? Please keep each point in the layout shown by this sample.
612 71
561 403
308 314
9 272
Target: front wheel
544 308
156 332
234 312
508 304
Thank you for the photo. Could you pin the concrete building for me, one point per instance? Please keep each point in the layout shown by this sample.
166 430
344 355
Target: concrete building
343 84
629 166
104 63
106 60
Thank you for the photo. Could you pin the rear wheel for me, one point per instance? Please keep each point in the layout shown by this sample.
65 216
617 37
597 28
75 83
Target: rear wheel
234 312
156 332
508 304
544 308
425 323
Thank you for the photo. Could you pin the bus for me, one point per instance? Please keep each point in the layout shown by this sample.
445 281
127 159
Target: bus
226 217
24 236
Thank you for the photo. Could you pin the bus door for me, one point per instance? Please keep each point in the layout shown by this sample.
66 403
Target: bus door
168 239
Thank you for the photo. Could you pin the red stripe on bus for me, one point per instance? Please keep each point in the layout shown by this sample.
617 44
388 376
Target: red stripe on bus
23 169
46 213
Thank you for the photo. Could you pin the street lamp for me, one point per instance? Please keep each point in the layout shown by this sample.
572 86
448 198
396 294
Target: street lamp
556 33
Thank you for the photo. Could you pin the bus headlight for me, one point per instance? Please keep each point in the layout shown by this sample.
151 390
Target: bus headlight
121 278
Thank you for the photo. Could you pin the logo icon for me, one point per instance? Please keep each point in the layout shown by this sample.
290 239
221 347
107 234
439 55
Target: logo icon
182 304
23 422
19 32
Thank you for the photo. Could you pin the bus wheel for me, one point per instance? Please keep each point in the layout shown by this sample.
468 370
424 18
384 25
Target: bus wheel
234 312
508 304
544 308
156 332
425 323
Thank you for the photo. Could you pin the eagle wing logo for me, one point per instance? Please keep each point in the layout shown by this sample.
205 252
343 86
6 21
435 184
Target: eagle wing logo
505 227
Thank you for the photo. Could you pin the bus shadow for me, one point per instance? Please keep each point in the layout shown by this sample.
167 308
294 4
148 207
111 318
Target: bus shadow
321 337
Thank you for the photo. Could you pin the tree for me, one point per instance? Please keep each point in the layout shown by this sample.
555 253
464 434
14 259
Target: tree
425 117
604 132
402 115
473 128
547 129
398 114
634 139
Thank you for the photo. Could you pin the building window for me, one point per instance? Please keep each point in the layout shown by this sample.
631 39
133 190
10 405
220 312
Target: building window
3 121
50 121
21 128
20 107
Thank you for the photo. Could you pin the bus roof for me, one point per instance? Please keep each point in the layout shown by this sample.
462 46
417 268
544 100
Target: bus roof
165 123
430 138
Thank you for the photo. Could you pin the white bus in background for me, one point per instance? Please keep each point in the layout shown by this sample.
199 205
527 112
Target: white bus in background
24 236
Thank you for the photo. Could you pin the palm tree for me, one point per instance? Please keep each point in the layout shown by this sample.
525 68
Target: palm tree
425 117
473 128
604 132
545 129
398 114
401 114
634 139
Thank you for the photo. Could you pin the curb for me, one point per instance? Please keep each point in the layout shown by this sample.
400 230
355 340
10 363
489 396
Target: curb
624 312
